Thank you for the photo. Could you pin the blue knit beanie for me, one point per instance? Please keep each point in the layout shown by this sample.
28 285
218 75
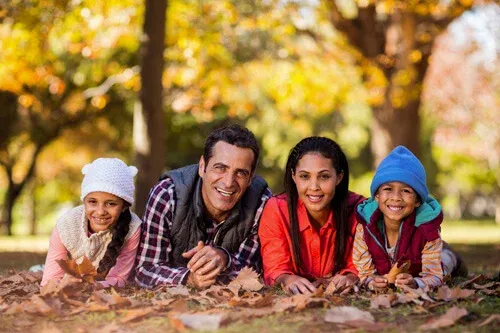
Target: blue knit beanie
401 166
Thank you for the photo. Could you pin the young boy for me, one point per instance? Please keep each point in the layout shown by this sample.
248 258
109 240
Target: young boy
401 222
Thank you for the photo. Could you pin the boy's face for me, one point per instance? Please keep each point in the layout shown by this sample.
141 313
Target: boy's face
396 200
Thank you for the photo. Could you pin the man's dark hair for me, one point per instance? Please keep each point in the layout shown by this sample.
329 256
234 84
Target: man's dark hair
236 135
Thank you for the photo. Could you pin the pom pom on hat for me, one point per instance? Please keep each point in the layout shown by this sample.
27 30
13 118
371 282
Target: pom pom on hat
110 175
401 166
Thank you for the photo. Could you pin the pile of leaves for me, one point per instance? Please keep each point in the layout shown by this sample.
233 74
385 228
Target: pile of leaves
23 303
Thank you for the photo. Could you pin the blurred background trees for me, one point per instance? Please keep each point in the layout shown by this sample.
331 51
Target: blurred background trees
369 74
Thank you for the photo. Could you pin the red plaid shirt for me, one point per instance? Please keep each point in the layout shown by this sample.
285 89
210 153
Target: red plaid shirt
153 260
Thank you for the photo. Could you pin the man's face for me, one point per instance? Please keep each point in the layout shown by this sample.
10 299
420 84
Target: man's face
225 177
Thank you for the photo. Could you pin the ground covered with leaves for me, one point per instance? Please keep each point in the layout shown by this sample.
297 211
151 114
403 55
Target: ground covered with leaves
471 304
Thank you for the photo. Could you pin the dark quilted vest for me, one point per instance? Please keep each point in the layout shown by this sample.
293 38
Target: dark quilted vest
410 244
189 223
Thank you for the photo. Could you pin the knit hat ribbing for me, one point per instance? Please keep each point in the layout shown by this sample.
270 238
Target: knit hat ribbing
401 166
110 175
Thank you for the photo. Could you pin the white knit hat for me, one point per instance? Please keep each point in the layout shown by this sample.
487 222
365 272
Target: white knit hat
110 175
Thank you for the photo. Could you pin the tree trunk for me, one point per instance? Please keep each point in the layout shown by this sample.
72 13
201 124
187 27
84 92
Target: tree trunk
391 46
31 207
11 196
149 123
392 127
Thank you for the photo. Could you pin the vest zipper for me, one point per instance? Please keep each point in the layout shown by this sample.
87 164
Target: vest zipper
392 261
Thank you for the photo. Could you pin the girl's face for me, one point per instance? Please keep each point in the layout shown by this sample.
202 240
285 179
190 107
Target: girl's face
396 200
102 210
316 180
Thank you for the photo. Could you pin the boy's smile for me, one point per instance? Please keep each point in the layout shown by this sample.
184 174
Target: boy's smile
396 200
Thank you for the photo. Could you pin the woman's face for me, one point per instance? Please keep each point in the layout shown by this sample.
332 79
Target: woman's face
316 180
102 210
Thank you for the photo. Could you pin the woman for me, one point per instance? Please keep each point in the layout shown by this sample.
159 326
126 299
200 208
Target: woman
307 232
102 229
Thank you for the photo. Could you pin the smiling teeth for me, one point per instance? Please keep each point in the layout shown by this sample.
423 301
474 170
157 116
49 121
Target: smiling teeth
314 197
395 208
224 193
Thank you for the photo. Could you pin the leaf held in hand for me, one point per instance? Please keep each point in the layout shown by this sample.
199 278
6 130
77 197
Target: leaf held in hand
397 269
85 270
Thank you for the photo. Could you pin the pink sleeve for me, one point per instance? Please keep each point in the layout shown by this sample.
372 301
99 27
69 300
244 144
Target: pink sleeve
57 250
119 273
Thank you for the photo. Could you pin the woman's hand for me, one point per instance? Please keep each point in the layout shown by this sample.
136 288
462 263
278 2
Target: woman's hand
296 284
344 283
405 279
378 283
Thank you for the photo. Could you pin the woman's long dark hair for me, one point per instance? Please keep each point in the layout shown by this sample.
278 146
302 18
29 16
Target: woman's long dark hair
120 231
331 150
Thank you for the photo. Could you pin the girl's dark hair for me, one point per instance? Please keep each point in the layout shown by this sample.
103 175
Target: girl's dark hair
119 231
331 150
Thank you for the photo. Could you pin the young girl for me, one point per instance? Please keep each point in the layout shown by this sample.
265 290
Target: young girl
103 229
401 222
307 232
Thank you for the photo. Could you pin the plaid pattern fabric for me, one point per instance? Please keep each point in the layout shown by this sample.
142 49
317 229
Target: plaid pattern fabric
154 250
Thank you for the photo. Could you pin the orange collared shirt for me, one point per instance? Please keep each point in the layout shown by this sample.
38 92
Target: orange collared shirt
317 246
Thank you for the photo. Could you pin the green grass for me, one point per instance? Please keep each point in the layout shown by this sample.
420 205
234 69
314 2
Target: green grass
24 243
471 232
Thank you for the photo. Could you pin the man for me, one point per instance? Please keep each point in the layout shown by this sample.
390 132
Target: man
201 221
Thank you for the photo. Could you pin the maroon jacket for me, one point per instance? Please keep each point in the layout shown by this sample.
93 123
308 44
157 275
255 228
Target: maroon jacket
420 227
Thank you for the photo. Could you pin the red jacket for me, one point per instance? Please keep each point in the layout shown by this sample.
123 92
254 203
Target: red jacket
317 248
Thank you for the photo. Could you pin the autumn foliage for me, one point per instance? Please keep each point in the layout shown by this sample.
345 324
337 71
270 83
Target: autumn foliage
243 300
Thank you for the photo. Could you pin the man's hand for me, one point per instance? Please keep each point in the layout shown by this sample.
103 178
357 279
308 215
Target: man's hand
200 281
206 263
296 284
405 279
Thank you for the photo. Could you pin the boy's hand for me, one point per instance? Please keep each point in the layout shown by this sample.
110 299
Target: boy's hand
405 279
378 282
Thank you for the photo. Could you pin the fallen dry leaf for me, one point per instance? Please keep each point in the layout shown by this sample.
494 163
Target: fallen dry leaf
110 328
490 319
448 319
383 301
135 314
417 294
113 299
252 300
446 294
298 303
50 328
396 269
347 314
84 270
220 294
200 321
178 291
485 286
476 279
247 279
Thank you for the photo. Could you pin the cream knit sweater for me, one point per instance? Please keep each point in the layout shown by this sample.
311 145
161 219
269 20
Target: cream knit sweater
73 231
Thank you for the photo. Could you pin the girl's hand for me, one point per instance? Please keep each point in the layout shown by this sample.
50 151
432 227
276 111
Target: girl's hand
378 282
405 279
296 284
344 283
